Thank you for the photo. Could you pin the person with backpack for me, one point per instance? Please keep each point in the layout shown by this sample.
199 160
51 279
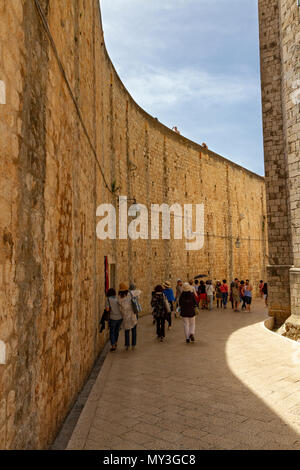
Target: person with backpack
161 310
169 294
135 299
115 317
188 304
128 315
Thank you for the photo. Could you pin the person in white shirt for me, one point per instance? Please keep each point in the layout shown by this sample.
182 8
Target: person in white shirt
210 294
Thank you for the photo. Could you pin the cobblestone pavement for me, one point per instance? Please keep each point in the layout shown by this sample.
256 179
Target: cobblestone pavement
237 387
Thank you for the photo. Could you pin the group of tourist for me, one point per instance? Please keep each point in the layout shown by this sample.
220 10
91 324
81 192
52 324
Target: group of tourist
122 312
123 309
164 302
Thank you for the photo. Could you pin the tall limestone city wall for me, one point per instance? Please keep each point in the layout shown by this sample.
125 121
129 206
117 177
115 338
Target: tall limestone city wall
280 72
52 279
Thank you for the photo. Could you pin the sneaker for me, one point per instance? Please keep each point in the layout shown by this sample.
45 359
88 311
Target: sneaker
188 341
113 348
161 339
127 348
192 338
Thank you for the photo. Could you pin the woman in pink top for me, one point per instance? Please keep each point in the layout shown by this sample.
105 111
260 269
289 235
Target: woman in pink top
224 290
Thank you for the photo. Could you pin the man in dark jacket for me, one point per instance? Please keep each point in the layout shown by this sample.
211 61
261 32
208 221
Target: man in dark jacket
161 310
188 304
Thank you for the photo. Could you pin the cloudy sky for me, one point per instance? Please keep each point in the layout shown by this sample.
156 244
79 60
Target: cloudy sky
194 64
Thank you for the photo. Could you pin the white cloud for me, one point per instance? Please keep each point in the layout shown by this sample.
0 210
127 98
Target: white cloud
193 63
172 88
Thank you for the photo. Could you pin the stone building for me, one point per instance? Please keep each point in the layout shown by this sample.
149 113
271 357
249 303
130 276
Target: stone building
55 172
280 75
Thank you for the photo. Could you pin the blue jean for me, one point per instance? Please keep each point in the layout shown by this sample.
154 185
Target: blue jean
225 298
114 328
133 336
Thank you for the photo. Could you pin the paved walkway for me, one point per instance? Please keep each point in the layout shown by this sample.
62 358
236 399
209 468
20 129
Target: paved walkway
237 387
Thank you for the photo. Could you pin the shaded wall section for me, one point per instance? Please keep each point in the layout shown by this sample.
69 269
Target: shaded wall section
52 279
280 73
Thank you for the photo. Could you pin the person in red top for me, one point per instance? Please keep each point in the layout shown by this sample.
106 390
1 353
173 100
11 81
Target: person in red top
224 290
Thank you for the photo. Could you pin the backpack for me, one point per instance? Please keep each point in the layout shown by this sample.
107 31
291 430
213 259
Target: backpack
136 306
158 304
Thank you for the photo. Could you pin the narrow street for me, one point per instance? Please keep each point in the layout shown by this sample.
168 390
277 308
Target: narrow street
237 387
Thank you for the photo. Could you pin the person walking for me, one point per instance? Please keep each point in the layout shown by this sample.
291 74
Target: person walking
231 295
135 298
236 296
265 293
129 317
161 310
115 317
224 290
242 294
177 295
248 294
188 304
191 283
210 294
169 294
218 294
203 295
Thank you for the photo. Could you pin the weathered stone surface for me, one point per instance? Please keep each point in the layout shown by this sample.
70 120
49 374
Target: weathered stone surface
51 264
280 73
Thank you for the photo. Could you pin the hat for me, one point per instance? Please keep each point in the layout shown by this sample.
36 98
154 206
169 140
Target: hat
187 287
167 285
123 287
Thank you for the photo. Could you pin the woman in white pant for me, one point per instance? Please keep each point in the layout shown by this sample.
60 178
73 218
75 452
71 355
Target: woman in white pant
210 294
187 303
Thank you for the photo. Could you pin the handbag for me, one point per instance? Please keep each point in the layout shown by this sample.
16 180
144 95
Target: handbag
106 315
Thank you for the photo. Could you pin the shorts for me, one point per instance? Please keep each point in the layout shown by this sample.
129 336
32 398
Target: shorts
248 300
203 296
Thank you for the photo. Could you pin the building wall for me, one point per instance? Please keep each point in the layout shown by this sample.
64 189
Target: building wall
280 72
51 263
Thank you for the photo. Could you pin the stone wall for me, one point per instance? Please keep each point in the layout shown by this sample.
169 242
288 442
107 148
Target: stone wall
51 264
280 72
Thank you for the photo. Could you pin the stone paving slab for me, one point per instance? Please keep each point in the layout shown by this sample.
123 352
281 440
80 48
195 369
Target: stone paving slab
237 387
